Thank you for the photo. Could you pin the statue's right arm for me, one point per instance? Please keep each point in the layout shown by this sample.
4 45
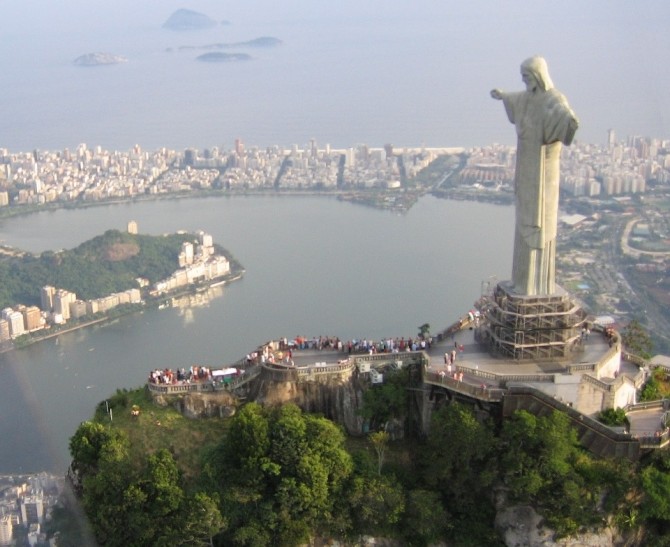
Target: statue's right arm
497 94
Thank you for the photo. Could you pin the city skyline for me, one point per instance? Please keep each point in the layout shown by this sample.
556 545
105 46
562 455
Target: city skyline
94 174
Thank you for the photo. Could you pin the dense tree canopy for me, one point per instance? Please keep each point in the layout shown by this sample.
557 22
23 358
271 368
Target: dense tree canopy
387 401
278 476
130 502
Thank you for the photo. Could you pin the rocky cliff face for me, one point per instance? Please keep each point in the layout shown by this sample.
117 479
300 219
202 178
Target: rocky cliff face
522 526
337 398
221 404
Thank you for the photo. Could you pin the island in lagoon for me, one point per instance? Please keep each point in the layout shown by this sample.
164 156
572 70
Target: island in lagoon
110 275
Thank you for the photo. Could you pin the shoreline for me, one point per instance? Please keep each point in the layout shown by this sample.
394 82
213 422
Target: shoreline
362 197
155 302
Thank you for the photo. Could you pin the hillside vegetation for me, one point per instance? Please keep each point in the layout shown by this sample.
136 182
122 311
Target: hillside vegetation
103 265
279 476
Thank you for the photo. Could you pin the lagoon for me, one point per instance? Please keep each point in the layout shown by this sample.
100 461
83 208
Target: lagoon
314 266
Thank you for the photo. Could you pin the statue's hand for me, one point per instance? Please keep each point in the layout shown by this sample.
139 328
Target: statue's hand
497 94
573 124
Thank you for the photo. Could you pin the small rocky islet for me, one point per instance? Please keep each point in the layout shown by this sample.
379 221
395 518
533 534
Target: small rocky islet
99 59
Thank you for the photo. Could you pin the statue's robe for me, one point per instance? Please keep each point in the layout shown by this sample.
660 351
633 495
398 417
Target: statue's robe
543 123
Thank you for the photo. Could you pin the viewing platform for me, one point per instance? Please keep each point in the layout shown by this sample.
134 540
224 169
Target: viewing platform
600 377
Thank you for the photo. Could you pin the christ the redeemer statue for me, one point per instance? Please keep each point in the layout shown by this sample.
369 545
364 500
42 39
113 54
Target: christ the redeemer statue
544 122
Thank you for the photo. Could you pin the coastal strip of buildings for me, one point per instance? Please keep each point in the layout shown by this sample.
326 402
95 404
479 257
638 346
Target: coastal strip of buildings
95 174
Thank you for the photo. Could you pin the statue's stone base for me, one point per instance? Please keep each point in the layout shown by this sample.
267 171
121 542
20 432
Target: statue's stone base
537 327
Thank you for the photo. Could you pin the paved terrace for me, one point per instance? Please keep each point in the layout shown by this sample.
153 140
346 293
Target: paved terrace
483 376
486 377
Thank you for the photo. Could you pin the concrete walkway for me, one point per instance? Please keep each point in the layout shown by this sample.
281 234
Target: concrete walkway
646 423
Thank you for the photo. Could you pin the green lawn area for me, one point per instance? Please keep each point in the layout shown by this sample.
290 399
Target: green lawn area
158 427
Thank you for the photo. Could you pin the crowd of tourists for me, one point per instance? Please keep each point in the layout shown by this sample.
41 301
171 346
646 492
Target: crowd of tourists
182 375
356 345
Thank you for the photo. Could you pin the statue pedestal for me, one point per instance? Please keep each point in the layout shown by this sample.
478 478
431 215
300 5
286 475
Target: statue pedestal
535 327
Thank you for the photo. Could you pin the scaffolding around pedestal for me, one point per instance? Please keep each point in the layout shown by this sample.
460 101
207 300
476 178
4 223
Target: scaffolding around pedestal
532 327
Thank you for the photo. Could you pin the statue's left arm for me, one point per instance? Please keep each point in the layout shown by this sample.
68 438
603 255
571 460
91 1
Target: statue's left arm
560 122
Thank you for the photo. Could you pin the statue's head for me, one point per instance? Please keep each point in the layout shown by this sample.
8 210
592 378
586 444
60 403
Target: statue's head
536 67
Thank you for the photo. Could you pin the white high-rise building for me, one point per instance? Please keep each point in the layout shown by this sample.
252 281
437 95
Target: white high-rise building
15 321
206 239
32 510
4 330
187 249
47 297
62 301
6 530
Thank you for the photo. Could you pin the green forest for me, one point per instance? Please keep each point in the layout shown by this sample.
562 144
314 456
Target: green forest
276 476
106 264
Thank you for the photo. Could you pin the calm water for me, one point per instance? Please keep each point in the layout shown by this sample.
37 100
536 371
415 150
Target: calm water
315 266
348 72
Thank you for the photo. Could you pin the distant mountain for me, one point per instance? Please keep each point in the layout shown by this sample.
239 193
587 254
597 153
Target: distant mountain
96 59
220 57
186 19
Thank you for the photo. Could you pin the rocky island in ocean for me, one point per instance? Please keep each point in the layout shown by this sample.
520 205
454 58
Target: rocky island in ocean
185 19
220 57
98 59
260 42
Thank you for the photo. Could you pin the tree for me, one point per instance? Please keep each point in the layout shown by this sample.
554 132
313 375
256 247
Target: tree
138 502
246 447
288 440
379 441
281 474
387 401
377 504
655 482
109 498
87 446
636 339
536 452
105 264
543 464
160 481
203 520
459 457
656 487
654 387
425 521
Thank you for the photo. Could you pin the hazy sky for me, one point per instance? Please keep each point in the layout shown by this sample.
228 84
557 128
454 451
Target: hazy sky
428 62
